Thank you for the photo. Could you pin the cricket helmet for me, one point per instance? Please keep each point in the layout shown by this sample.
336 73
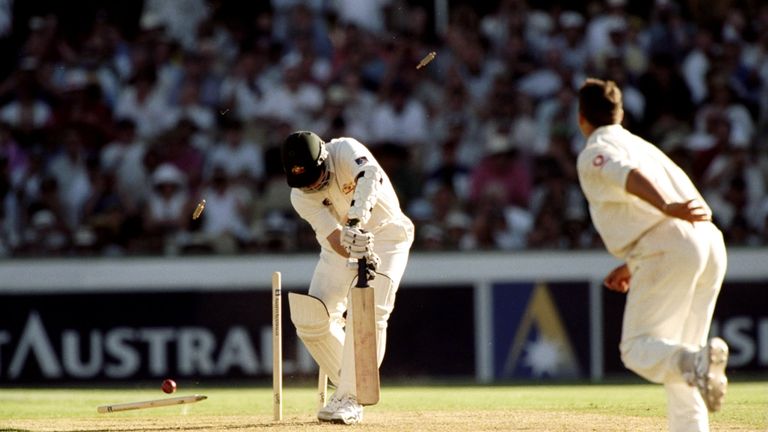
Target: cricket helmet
304 160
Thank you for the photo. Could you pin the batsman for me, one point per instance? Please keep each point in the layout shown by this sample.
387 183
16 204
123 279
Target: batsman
339 188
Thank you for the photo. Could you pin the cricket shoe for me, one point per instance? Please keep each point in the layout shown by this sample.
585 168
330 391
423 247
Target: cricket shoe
341 409
709 370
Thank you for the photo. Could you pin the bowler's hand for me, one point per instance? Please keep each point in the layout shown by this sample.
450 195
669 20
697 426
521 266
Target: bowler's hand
691 211
618 279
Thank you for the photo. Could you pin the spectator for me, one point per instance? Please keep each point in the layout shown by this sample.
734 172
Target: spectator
301 19
359 103
634 101
545 80
100 48
735 186
163 90
451 171
10 225
27 112
456 121
163 54
668 32
224 222
45 228
179 18
167 211
196 71
612 17
489 228
82 105
369 15
503 175
242 89
457 225
707 145
667 98
556 199
697 63
555 115
239 158
143 103
331 121
623 44
295 99
304 56
723 101
14 156
497 25
178 148
70 170
103 216
400 119
570 41
124 157
740 75
193 109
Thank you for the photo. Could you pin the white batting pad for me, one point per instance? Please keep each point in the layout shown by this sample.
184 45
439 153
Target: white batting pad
323 337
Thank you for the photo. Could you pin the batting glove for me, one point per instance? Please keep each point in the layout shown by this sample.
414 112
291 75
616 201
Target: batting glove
372 263
353 238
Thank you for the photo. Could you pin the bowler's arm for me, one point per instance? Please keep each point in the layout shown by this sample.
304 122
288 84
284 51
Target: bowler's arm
692 210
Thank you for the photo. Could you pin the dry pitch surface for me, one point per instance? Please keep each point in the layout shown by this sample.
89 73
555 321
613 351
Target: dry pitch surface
508 420
453 409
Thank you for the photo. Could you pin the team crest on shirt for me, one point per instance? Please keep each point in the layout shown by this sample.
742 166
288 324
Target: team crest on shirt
598 161
347 188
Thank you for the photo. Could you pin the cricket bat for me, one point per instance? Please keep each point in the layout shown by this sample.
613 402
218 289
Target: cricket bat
364 326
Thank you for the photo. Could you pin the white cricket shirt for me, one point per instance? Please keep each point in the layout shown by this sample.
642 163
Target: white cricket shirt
326 210
620 217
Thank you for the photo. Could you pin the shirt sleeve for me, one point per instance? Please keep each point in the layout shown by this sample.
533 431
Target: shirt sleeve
608 164
314 212
354 156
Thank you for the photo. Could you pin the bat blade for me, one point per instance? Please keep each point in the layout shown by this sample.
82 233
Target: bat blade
366 358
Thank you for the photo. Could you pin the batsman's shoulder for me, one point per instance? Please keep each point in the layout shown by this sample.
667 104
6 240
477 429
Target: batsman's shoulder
344 143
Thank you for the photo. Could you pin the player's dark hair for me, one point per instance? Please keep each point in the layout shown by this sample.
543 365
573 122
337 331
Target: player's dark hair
600 102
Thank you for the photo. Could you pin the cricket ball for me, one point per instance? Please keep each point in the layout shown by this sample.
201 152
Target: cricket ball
168 386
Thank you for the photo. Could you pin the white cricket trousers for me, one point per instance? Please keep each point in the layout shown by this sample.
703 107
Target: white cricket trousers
677 270
333 280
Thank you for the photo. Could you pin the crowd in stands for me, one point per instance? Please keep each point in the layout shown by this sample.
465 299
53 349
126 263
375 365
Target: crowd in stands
114 127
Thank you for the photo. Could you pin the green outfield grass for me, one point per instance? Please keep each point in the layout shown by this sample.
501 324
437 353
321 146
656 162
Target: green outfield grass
619 407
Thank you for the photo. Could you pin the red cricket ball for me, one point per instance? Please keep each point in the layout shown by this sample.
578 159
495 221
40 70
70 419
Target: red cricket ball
169 386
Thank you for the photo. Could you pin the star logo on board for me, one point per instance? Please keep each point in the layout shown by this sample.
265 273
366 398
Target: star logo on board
541 343
544 357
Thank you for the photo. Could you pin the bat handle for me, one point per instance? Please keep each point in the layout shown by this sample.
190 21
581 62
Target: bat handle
362 266
362 273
